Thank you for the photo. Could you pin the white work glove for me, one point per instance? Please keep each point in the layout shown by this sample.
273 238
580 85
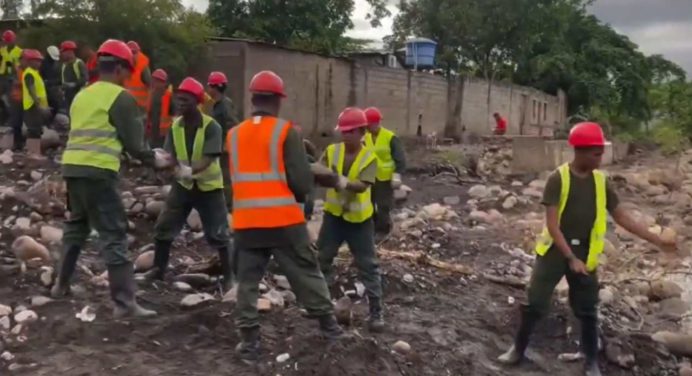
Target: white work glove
396 181
183 172
342 183
162 158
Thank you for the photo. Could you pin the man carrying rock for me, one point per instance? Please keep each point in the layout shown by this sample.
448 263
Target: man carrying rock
391 163
349 209
578 199
105 122
270 177
195 141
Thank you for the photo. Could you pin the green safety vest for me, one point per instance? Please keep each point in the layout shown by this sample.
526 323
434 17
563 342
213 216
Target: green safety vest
39 86
10 59
75 68
93 140
353 207
598 232
207 180
383 151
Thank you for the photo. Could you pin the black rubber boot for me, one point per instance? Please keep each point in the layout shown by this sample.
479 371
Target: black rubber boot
162 253
515 354
330 328
249 347
121 279
226 268
589 345
68 264
375 321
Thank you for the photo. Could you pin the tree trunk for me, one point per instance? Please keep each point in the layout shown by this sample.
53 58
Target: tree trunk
453 126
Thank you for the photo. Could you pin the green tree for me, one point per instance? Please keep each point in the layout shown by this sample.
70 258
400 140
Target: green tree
315 25
11 9
172 36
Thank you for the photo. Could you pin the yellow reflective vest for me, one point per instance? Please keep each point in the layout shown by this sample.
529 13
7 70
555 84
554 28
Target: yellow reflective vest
598 232
93 140
353 207
75 69
207 180
383 151
39 87
10 59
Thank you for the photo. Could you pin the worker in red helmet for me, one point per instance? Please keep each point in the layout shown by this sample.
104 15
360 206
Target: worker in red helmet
140 79
348 209
73 72
34 100
160 108
104 123
500 124
10 55
194 140
270 178
226 114
391 163
578 199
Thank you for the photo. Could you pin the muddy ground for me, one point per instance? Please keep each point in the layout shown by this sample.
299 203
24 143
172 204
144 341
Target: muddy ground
456 324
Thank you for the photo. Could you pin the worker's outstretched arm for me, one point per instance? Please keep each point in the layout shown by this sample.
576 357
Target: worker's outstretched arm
298 174
624 219
126 118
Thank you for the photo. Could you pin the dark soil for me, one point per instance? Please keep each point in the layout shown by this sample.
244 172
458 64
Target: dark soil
456 325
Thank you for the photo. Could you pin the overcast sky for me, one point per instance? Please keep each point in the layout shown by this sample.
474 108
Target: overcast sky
657 26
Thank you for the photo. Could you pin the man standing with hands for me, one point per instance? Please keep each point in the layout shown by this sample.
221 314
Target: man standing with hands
577 199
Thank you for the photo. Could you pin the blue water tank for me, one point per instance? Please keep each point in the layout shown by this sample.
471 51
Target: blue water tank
420 53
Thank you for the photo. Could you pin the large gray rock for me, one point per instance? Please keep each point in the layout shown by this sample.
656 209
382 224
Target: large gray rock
479 191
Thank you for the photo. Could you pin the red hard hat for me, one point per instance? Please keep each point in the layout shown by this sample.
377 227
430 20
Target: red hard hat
267 82
194 87
586 134
118 49
68 45
8 36
30 54
374 115
217 78
351 118
134 46
160 74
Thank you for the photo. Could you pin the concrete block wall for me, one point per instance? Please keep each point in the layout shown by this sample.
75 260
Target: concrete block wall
320 87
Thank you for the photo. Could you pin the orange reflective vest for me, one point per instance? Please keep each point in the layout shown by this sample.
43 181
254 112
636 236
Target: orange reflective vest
135 85
165 118
261 196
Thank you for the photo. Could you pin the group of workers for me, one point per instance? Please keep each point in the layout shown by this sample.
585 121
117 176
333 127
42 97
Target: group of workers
258 171
268 177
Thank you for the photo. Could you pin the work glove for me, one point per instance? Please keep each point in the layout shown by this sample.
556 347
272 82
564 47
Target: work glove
162 158
183 172
396 181
342 183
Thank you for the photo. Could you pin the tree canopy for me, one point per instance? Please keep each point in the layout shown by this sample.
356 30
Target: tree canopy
172 36
546 44
314 25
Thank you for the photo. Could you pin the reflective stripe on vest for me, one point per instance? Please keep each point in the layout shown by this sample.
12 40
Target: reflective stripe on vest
261 196
207 180
598 231
75 68
93 140
383 151
10 59
135 85
353 207
39 88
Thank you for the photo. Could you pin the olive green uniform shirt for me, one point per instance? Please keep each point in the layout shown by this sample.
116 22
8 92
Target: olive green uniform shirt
580 211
